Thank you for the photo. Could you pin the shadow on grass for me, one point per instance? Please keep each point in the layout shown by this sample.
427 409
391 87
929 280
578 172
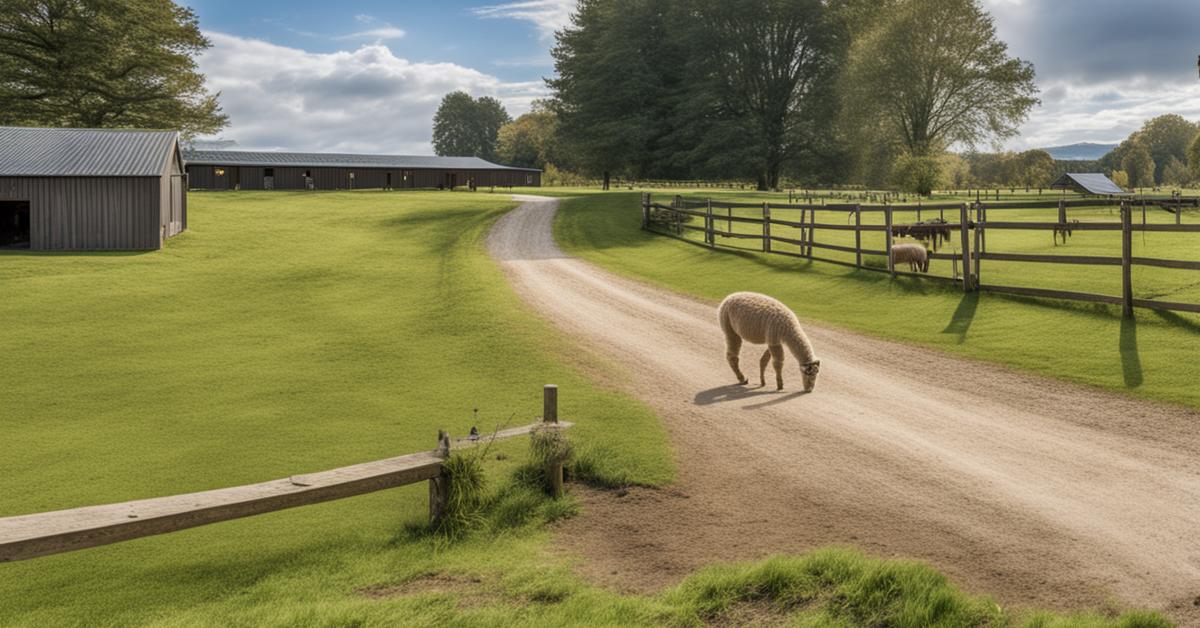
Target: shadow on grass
1171 318
1131 362
964 315
15 252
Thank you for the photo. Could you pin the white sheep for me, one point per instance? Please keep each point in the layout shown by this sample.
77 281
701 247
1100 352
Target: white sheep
759 319
912 254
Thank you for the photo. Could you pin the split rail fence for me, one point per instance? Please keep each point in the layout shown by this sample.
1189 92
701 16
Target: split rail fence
971 221
30 536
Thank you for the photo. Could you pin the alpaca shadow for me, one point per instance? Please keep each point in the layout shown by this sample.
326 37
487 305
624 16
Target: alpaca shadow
742 392
1131 362
964 315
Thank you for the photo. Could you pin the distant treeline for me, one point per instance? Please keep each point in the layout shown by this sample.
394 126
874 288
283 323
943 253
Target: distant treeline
875 93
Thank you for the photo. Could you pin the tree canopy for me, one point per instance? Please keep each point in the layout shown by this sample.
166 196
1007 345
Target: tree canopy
468 127
934 73
102 64
530 140
1163 138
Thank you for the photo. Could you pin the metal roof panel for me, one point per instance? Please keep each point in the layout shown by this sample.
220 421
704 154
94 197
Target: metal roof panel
1088 183
37 152
274 159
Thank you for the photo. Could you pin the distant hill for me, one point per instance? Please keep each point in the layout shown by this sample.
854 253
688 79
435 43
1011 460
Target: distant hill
1080 151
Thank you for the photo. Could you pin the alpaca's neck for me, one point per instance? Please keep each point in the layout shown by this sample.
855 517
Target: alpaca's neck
797 342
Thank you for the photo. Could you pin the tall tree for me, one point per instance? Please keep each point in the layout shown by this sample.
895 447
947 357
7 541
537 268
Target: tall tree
615 66
935 73
1164 137
1176 173
104 63
468 127
1139 166
1034 168
772 64
529 141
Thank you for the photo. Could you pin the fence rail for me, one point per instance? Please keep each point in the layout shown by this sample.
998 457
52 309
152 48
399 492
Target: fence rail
30 536
972 225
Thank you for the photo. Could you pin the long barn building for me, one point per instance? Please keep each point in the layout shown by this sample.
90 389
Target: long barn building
243 170
90 189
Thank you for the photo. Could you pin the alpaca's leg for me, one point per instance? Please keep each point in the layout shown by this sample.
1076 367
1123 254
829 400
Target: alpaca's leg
777 362
733 346
762 367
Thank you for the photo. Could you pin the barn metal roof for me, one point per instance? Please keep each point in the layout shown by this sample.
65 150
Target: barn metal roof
336 160
33 152
1090 183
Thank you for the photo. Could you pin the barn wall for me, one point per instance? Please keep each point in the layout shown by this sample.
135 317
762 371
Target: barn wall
90 213
172 204
292 178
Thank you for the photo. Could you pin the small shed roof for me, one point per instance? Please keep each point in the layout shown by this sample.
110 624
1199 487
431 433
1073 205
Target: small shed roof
336 160
33 152
1088 183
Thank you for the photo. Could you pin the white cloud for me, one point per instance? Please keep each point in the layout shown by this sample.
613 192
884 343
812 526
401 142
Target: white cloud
547 15
383 32
366 100
1104 66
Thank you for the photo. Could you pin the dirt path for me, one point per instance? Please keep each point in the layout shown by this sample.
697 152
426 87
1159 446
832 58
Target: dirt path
1036 491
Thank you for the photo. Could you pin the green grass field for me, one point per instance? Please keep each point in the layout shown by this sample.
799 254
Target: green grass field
1152 357
293 332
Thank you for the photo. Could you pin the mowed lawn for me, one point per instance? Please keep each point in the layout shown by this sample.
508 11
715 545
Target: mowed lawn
283 333
1154 356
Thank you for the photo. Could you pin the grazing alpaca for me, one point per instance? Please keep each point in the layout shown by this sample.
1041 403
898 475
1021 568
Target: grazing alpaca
914 255
761 320
1064 229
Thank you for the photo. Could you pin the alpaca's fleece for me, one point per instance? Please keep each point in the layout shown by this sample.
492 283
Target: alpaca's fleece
914 255
761 320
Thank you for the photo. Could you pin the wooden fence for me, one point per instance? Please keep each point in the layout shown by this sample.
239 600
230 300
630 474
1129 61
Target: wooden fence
43 534
970 220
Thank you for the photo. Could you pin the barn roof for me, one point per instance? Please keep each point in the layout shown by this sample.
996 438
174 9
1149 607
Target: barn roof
336 160
1090 183
33 152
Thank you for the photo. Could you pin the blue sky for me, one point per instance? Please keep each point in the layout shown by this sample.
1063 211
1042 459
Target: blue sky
457 32
366 76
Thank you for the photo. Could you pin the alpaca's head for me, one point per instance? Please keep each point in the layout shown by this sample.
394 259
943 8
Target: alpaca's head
810 371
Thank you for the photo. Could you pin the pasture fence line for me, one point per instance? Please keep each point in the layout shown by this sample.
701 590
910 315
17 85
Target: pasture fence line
973 224
30 536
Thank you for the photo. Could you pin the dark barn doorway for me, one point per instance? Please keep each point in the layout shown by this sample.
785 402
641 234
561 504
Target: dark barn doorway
14 224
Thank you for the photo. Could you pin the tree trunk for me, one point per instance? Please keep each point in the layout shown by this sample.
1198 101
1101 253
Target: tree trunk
606 179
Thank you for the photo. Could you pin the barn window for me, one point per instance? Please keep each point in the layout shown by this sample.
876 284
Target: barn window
220 172
308 174
268 172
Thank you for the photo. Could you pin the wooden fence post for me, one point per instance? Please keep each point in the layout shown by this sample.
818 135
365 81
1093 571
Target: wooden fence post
978 240
439 487
887 242
1127 259
1062 211
645 210
965 224
812 232
858 236
554 470
708 225
766 227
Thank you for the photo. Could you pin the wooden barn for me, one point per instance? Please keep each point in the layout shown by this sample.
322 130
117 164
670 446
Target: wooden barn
243 170
90 189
